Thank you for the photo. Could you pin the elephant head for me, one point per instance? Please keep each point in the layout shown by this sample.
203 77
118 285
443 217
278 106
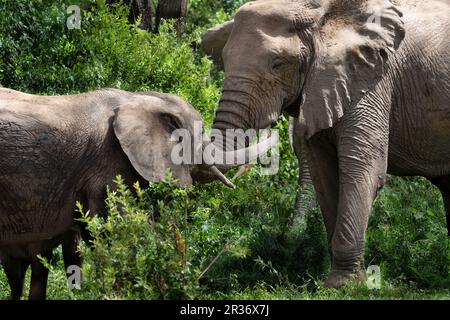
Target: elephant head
308 58
144 127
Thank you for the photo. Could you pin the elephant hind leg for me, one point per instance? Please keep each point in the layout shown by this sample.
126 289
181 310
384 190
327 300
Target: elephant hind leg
39 278
15 270
443 183
71 253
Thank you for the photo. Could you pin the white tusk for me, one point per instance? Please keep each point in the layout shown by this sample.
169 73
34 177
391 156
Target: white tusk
241 171
241 156
222 177
254 152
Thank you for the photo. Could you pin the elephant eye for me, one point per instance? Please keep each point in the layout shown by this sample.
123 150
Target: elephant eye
278 64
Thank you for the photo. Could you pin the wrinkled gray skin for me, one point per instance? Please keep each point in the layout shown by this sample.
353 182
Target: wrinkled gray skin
370 99
62 149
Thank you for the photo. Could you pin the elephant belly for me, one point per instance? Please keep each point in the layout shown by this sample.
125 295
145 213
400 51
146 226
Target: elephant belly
27 215
38 180
419 140
421 147
27 252
37 195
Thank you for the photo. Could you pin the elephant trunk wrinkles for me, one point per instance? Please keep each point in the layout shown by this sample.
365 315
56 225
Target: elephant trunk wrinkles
233 118
305 173
233 115
241 112
234 111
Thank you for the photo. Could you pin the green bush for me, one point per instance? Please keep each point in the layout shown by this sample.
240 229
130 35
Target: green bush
136 257
408 235
39 54
207 13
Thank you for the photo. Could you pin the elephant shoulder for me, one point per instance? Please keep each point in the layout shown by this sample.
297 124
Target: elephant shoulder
435 12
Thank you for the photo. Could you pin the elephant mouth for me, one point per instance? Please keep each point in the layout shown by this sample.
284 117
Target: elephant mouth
292 105
292 108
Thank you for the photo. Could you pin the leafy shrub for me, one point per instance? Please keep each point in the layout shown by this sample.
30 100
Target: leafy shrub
210 241
209 13
136 257
39 54
407 233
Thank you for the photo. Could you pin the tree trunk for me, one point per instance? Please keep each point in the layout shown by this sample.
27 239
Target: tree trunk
170 9
138 8
142 8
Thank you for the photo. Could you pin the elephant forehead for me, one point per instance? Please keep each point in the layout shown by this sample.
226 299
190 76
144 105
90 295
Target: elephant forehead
342 41
265 26
267 12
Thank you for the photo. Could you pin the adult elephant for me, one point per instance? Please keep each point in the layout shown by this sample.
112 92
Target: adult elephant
369 82
62 149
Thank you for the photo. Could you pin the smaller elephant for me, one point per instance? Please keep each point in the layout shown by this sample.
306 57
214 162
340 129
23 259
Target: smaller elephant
62 149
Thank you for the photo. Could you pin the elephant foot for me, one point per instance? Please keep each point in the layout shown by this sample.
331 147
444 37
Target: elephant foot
338 279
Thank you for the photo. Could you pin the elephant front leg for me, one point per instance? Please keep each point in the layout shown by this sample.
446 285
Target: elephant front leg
72 255
443 183
362 171
323 164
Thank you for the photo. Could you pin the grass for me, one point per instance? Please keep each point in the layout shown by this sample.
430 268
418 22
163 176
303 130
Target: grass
58 291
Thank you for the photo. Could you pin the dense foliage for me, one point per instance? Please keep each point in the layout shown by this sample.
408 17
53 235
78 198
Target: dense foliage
209 241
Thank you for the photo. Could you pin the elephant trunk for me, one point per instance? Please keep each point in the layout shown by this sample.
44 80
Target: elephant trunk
234 111
305 173
231 139
230 144
230 124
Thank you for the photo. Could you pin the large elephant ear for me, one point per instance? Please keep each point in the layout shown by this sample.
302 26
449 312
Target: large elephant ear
352 49
144 128
214 41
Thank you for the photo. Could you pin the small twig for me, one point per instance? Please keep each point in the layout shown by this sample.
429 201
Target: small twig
212 262
225 249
